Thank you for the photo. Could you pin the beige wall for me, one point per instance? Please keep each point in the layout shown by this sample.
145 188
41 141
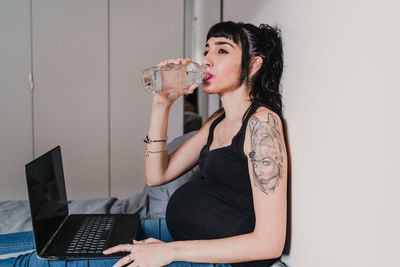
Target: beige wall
341 89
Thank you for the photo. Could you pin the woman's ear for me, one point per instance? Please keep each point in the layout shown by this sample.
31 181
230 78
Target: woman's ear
256 63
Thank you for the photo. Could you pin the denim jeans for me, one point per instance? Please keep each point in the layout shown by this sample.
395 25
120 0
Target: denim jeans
19 242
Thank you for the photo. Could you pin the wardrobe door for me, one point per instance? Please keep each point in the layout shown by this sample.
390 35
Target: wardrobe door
15 98
142 33
70 65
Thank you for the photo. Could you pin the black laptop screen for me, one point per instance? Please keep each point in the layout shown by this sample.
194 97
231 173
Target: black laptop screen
47 195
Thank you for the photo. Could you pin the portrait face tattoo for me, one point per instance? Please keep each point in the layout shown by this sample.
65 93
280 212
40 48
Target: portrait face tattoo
266 153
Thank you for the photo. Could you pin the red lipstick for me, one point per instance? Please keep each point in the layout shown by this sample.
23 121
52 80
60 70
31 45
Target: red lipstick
208 76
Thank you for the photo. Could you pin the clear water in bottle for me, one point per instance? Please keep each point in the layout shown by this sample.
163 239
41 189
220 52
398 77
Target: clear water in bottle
173 77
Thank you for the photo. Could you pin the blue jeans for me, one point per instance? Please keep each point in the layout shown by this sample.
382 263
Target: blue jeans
24 241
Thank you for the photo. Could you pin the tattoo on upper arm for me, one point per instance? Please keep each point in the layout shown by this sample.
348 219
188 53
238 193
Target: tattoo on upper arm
266 154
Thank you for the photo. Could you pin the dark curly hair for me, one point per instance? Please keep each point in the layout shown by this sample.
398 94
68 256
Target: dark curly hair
263 41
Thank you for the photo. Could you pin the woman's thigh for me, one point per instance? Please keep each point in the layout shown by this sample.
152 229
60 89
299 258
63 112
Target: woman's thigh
16 242
24 242
155 228
195 264
31 259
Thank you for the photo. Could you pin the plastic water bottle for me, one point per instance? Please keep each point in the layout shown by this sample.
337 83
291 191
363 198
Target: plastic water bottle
173 77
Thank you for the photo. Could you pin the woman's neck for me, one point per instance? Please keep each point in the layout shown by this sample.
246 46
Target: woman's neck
235 103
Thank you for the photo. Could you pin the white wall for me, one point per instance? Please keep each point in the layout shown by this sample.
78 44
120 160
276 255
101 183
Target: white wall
140 38
340 87
15 97
86 58
200 15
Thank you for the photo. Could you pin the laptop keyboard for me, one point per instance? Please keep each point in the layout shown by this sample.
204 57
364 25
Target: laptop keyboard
92 236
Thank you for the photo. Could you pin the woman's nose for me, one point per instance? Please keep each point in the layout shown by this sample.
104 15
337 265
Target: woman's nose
207 61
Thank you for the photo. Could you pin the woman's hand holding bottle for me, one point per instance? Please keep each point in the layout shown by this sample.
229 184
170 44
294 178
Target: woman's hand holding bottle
171 79
169 94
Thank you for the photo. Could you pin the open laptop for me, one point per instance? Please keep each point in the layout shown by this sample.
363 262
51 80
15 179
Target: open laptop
60 235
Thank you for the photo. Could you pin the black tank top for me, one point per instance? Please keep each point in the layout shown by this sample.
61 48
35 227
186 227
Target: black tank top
220 203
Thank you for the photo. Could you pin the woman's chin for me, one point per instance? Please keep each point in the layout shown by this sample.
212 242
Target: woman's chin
208 89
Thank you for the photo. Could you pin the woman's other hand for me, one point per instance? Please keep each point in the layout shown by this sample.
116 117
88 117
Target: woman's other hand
148 252
169 94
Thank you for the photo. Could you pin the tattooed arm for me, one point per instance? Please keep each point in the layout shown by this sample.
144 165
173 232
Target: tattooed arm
267 159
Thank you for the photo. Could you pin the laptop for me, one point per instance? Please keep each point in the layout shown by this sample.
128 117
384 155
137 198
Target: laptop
60 235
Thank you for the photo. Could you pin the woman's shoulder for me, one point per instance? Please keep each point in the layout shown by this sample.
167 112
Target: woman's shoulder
263 113
265 119
264 124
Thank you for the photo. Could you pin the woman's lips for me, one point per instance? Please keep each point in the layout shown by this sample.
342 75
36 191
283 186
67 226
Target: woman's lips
208 76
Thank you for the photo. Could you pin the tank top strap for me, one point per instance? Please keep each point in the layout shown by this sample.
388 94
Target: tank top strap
212 127
238 140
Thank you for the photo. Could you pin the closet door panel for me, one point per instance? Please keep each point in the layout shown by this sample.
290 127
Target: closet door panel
143 33
70 65
15 98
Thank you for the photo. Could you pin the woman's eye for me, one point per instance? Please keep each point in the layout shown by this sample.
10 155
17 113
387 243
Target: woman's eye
220 51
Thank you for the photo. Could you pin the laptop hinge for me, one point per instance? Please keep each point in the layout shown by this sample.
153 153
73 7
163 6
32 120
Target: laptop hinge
53 236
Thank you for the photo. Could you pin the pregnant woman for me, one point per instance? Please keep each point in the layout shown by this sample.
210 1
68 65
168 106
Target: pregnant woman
235 214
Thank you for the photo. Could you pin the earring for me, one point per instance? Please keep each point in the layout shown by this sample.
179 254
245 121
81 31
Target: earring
248 80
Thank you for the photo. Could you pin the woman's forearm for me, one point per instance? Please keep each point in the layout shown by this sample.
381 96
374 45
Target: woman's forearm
242 248
156 157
